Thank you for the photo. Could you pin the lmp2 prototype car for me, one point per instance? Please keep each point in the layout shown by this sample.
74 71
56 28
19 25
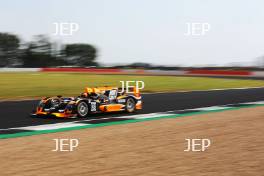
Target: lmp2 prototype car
92 100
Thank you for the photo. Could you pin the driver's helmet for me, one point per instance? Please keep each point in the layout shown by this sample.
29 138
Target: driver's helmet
85 94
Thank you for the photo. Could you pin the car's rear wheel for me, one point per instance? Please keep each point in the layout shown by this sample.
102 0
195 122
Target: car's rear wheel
130 105
82 109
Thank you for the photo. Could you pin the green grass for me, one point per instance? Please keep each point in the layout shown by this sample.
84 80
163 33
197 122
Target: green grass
30 85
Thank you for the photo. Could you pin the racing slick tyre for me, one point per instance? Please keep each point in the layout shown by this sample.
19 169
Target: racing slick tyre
82 109
130 105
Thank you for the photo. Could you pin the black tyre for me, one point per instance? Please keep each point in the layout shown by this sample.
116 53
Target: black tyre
82 109
130 105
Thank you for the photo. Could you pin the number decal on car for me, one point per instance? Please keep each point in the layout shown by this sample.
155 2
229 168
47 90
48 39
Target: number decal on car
121 100
93 106
112 94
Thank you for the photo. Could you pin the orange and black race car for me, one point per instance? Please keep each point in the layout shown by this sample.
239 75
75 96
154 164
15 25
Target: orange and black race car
92 100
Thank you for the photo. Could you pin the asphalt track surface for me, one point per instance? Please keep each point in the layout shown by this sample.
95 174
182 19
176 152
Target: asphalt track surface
17 113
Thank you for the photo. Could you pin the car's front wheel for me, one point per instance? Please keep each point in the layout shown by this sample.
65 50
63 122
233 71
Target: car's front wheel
82 109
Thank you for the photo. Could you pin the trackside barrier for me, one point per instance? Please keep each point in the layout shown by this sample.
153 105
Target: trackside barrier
20 69
220 72
92 70
258 74
193 72
165 72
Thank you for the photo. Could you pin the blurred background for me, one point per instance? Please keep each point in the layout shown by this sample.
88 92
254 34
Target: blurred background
86 40
132 34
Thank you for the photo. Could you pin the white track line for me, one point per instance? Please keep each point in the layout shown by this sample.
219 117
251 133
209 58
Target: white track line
257 102
183 91
210 108
50 126
146 116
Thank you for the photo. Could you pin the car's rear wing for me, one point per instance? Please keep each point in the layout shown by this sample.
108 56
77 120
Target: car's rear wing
130 90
